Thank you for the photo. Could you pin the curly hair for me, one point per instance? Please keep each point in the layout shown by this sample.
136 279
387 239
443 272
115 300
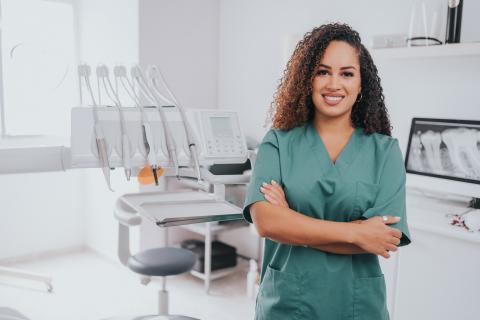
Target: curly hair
293 106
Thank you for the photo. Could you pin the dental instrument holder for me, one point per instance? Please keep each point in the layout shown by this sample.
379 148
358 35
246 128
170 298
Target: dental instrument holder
139 77
120 73
125 150
84 73
213 150
156 76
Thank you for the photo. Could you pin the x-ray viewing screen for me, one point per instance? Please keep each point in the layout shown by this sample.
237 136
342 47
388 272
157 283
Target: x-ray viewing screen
443 148
221 127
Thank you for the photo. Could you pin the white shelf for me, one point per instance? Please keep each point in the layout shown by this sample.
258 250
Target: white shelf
429 215
439 51
451 232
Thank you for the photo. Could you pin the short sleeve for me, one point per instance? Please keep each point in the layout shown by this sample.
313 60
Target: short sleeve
267 168
391 197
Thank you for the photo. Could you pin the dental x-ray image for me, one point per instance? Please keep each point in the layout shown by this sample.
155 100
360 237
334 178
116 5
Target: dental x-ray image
444 148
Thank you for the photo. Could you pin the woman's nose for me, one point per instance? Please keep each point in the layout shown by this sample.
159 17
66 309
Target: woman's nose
333 82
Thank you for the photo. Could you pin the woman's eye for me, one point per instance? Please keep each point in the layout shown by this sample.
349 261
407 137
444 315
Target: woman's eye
322 72
348 74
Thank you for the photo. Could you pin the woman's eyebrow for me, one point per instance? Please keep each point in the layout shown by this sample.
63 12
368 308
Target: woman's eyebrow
342 68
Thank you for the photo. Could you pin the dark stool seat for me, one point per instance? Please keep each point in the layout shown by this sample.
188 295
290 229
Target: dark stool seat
162 262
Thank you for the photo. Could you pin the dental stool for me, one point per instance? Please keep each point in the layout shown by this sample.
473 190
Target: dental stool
158 262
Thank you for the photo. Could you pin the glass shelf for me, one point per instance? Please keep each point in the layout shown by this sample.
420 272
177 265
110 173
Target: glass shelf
440 51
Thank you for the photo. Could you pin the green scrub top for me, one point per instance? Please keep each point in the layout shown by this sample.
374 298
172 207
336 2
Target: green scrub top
367 179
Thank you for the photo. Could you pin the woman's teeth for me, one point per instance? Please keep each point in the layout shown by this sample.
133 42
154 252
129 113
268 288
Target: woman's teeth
332 100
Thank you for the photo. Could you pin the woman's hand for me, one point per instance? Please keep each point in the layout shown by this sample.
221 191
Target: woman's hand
373 235
274 194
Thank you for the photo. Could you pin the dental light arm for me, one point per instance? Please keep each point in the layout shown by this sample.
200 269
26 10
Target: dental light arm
138 76
102 75
155 77
84 72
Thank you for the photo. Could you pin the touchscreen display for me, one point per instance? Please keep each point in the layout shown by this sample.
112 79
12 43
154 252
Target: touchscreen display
221 127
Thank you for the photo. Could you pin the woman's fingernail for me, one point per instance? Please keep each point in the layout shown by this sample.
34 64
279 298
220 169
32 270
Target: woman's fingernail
264 184
397 219
274 182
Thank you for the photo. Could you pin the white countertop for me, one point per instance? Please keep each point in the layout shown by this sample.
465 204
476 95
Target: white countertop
430 215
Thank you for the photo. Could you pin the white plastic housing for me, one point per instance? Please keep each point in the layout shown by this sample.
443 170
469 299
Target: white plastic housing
216 144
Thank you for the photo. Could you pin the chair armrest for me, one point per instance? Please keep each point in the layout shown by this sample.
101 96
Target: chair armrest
126 214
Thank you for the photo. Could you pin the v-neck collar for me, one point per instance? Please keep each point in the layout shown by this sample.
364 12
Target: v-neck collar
345 157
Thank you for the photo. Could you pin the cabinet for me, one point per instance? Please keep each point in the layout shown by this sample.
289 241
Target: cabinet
209 231
436 276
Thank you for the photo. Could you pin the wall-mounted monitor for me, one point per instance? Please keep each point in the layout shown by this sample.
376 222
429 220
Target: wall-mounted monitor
445 149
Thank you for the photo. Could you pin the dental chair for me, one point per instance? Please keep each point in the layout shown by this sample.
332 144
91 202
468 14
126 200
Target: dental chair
158 262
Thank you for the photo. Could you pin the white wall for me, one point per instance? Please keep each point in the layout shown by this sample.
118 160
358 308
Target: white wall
181 37
41 212
108 35
108 31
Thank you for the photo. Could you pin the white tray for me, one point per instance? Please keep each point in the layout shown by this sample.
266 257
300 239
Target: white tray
178 208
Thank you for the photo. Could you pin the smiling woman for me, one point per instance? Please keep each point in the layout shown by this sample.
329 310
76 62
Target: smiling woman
328 187
337 80
293 103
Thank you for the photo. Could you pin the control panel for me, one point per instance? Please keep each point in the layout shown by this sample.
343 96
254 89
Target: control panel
222 135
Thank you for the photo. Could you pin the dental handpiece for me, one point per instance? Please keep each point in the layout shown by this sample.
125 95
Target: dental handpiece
102 154
121 74
151 158
100 141
156 73
171 148
102 73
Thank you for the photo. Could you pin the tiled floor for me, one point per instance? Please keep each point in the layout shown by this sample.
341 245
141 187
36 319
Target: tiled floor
87 286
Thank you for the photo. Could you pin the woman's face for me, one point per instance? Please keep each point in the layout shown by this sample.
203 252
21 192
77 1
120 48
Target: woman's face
336 82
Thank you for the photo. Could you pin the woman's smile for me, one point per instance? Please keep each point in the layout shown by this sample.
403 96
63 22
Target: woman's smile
332 100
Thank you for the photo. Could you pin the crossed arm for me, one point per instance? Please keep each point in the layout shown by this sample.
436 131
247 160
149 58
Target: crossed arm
274 219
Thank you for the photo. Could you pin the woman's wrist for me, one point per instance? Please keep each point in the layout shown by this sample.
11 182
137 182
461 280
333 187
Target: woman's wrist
351 233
